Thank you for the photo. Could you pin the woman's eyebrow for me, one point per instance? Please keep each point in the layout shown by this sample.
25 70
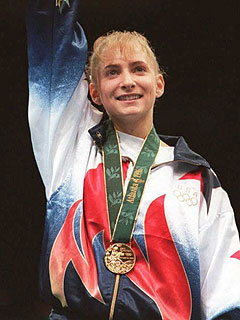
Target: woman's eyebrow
138 62
132 64
110 66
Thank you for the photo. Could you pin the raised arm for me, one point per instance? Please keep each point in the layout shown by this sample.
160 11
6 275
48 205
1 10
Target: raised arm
57 51
58 105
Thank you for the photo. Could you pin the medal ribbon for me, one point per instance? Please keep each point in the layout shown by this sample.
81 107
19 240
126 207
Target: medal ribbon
123 209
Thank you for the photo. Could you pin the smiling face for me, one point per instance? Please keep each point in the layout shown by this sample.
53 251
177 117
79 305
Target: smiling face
127 86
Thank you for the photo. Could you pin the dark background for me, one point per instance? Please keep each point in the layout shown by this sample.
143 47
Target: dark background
196 42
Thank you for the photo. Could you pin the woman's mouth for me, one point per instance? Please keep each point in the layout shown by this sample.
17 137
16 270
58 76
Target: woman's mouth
129 97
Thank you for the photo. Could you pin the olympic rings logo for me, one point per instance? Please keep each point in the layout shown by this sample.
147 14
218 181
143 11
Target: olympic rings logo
189 196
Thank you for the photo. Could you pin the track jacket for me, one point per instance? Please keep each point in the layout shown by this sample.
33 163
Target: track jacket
185 239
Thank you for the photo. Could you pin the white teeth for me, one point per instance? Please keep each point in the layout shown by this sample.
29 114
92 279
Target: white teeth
130 97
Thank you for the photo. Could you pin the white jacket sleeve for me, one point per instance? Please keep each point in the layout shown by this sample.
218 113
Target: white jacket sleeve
219 259
59 110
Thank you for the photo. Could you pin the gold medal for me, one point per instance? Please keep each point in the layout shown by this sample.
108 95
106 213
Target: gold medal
119 258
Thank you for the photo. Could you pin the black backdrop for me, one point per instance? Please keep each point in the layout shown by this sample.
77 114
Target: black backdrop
196 42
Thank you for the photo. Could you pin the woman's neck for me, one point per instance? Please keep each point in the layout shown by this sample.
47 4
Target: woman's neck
135 128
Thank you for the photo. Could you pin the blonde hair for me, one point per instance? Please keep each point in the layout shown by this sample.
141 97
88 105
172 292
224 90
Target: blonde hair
125 41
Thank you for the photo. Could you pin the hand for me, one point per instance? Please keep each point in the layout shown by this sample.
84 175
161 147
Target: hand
59 3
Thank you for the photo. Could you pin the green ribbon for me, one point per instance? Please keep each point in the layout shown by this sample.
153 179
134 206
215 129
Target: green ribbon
123 209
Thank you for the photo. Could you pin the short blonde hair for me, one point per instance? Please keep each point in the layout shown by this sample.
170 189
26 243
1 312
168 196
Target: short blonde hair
125 41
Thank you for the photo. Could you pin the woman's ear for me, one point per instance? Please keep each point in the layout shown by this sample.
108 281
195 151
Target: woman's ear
94 94
160 86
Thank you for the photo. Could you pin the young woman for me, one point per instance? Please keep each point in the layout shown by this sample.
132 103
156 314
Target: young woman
137 225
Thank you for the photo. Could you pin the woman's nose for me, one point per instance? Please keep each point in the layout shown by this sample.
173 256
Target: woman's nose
127 80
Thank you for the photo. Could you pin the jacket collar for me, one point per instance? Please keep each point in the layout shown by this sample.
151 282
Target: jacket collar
182 152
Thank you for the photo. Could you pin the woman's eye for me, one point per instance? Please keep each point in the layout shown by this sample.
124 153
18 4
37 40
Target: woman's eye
111 72
139 69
